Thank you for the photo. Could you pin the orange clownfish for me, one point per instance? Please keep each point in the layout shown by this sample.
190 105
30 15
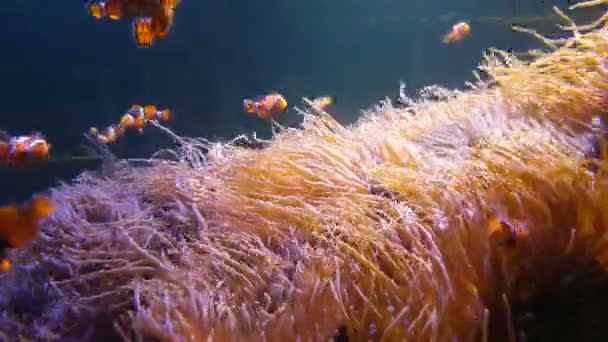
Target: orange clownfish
142 30
266 107
459 31
162 22
39 148
323 102
97 9
94 134
24 146
115 9
135 118
112 133
19 225
127 121
21 148
109 135
153 114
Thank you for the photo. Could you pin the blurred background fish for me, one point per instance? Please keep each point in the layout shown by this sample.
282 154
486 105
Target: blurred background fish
151 20
136 118
19 225
23 148
458 32
266 106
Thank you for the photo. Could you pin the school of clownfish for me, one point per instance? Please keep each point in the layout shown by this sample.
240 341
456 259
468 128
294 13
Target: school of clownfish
19 223
152 19
136 118
18 149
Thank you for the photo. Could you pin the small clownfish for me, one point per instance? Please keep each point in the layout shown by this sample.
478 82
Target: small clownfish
19 225
136 110
97 9
164 115
161 23
18 146
150 112
140 124
112 133
139 117
153 114
114 9
323 102
459 31
94 134
24 146
39 148
266 107
143 32
505 233
127 121
109 135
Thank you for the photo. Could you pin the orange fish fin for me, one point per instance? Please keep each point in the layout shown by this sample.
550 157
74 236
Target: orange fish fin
24 225
167 115
5 265
41 207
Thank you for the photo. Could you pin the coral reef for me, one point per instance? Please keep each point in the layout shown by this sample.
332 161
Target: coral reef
379 231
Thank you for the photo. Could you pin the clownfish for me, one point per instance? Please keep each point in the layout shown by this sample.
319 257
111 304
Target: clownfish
19 225
459 32
323 102
152 19
94 134
97 9
38 147
266 107
113 132
22 147
127 121
136 118
147 29
162 21
153 114
114 9
109 135
142 30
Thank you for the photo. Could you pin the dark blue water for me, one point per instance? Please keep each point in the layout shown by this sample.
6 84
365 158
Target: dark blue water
63 71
